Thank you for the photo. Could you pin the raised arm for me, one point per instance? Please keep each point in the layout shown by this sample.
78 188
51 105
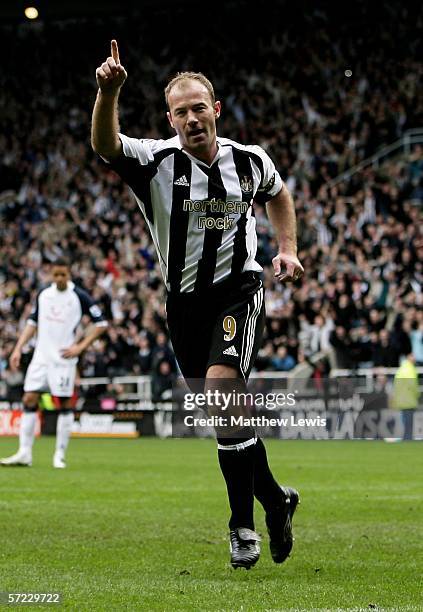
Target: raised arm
281 213
110 76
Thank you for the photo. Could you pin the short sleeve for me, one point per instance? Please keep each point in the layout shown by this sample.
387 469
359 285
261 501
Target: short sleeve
139 149
33 315
271 182
90 308
135 165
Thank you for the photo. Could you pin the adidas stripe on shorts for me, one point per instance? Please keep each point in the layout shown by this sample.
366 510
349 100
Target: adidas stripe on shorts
223 326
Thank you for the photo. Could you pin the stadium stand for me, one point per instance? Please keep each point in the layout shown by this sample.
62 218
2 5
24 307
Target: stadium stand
360 240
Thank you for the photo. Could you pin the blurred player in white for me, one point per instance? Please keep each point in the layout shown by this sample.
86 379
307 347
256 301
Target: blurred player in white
55 317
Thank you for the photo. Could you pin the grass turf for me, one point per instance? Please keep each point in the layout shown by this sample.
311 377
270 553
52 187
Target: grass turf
141 525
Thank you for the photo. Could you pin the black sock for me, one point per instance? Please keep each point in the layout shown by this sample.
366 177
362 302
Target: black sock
266 489
238 470
30 408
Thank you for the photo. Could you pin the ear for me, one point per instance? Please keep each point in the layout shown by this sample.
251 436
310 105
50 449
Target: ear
217 109
169 116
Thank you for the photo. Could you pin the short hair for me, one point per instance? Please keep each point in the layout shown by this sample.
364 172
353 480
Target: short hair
62 262
186 76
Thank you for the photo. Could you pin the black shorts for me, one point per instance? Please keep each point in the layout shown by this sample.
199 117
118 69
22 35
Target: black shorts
224 326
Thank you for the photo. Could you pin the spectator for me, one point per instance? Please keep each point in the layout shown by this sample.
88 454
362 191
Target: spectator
341 342
282 362
385 353
162 381
405 393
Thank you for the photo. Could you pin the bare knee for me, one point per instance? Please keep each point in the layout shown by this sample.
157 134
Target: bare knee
227 399
30 400
66 404
222 370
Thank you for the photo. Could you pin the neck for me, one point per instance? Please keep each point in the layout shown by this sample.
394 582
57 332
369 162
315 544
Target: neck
207 155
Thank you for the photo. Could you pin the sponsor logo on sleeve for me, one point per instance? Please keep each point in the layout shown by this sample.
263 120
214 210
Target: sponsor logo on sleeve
95 311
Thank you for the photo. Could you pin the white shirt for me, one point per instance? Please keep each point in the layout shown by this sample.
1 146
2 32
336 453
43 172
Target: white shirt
56 315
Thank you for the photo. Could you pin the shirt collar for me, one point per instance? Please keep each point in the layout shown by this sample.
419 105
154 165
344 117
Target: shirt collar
199 161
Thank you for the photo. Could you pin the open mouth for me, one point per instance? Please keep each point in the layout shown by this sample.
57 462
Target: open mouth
196 132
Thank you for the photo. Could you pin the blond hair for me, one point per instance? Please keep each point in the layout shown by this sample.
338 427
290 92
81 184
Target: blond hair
186 76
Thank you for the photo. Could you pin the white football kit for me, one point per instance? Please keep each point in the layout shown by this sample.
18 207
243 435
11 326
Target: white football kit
57 315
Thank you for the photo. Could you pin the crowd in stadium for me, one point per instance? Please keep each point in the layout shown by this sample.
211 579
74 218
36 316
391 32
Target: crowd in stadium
360 242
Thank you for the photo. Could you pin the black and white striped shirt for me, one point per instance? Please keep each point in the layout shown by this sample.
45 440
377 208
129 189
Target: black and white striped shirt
201 217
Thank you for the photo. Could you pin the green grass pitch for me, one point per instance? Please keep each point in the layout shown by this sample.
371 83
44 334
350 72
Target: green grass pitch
141 525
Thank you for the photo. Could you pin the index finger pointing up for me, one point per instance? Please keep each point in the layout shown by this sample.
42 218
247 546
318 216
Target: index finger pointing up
115 51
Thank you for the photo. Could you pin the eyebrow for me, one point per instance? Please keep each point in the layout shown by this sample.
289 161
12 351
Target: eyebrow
193 105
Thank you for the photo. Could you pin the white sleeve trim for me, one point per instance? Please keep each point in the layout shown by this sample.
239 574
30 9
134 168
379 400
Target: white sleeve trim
270 174
277 187
137 149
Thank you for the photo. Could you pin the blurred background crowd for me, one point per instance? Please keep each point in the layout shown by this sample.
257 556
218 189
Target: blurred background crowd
281 76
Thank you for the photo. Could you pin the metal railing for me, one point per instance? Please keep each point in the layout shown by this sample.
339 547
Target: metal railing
408 139
141 385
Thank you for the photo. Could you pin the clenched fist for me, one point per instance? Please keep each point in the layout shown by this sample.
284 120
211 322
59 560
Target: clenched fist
287 267
111 75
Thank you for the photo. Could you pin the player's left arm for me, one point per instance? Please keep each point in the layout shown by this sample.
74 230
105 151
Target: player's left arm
90 308
273 192
76 349
281 213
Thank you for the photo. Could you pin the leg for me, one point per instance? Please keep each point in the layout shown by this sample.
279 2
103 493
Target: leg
236 460
407 419
28 422
209 342
266 490
62 383
63 431
26 431
240 327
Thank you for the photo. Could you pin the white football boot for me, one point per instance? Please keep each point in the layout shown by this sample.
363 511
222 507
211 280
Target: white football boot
59 461
21 458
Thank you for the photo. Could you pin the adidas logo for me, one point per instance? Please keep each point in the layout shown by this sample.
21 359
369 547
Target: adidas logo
182 181
231 350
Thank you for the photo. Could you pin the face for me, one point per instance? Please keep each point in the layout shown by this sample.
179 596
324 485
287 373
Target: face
193 116
61 276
